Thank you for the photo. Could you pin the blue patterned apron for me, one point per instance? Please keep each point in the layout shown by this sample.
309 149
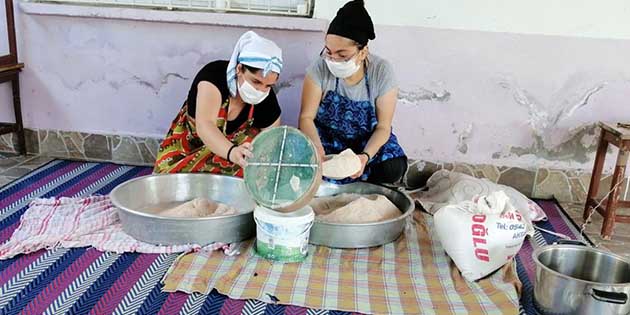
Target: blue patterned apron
343 123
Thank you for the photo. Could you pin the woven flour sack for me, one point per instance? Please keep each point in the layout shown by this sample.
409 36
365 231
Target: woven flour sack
481 235
448 188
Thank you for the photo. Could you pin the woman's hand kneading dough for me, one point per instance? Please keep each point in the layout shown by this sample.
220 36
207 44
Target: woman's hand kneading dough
343 165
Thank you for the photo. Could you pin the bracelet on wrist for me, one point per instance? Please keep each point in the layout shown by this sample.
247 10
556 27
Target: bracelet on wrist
366 154
230 152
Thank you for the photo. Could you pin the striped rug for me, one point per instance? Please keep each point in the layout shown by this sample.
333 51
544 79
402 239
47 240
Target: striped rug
86 281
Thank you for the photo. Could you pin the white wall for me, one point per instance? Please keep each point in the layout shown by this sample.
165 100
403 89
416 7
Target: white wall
6 107
583 18
131 77
473 96
503 82
4 41
502 98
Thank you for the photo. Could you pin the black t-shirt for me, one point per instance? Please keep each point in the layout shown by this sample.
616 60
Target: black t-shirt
265 113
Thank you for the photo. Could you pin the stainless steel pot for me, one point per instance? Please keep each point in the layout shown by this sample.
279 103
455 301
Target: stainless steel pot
574 279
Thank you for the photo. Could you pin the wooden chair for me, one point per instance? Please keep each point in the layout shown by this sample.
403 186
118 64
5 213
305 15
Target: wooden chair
10 72
619 136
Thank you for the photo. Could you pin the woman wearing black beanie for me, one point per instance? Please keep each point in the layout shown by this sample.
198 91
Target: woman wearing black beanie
349 97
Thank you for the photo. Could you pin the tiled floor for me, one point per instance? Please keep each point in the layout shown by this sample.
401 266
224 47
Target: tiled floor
14 166
620 242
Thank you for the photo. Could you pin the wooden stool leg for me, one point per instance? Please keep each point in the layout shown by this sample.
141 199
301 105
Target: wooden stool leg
596 177
17 107
613 199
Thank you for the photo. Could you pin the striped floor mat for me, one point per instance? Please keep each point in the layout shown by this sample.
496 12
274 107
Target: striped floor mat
86 281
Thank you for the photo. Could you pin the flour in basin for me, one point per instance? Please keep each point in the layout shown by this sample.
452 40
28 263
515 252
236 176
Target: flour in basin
196 208
354 208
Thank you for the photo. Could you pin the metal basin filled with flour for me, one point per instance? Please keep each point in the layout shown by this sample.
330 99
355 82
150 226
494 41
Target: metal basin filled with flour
341 235
139 200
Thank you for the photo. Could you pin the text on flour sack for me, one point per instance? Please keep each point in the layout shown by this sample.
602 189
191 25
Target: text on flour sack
482 235
479 232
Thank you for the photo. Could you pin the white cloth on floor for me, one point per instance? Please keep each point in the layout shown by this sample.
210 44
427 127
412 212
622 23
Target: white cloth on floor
354 208
80 222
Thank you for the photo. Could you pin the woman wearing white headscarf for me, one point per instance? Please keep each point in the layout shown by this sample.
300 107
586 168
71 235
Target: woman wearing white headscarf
228 104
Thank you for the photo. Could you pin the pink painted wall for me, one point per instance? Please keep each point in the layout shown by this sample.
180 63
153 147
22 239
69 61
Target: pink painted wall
467 96
129 77
507 99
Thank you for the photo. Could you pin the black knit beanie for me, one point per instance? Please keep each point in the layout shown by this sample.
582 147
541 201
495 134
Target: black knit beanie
353 22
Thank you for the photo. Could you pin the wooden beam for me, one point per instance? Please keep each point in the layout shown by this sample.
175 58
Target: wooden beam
7 128
620 203
600 210
9 75
18 66
610 138
598 167
17 109
622 219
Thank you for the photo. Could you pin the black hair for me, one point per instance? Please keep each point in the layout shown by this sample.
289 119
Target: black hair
354 42
250 68
359 45
253 70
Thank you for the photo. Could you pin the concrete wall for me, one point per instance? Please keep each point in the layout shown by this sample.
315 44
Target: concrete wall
131 77
582 18
6 112
473 89
4 41
507 99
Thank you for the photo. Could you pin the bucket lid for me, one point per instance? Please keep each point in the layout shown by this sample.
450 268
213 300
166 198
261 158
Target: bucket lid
304 215
285 170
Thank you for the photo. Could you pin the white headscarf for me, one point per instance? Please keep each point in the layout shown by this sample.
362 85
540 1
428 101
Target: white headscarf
254 51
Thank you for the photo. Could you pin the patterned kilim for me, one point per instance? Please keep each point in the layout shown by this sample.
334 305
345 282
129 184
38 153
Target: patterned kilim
84 280
410 276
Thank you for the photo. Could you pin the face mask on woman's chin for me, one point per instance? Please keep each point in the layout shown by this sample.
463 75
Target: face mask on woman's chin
249 94
342 69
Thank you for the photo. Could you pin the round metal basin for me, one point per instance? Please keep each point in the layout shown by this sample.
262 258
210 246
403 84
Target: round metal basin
134 197
339 235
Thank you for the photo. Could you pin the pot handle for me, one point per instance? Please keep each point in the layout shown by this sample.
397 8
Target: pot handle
570 242
610 297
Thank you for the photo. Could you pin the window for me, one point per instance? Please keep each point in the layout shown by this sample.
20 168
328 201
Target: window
265 7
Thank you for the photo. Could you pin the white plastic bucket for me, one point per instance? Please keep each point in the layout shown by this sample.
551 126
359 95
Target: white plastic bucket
283 236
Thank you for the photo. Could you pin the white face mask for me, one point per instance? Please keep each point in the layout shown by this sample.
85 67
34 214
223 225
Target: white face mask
250 95
342 69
